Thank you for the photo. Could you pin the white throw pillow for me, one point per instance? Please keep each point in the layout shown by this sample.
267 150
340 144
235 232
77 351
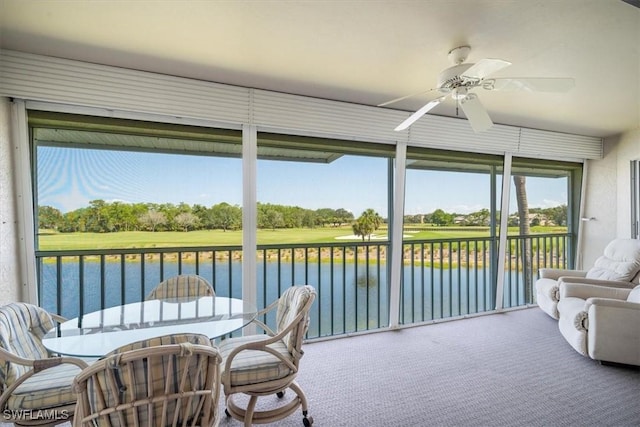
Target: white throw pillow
621 261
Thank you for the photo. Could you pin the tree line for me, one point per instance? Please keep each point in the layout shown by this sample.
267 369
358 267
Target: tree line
107 217
556 215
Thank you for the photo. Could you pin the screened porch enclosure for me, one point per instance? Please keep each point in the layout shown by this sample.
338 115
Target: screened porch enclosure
358 287
452 279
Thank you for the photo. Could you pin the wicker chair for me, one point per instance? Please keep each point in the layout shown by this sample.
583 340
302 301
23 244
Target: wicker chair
36 387
172 380
267 364
182 286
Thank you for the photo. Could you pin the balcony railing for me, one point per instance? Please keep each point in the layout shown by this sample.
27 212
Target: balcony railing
440 278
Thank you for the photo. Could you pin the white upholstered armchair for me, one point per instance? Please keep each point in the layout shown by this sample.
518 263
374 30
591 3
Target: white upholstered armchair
601 322
618 267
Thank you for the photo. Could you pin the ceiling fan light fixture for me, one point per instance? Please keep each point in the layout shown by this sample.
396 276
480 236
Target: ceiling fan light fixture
459 93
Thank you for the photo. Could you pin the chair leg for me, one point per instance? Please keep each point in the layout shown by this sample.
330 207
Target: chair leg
306 420
242 414
248 416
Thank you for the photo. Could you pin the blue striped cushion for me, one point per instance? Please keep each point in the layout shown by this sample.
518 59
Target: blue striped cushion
135 383
22 327
253 366
290 305
182 286
162 340
47 389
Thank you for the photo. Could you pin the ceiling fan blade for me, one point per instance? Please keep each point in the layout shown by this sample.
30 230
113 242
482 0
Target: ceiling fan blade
421 112
531 84
484 68
476 113
405 97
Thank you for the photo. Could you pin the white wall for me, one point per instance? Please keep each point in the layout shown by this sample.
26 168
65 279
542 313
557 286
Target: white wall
9 262
608 196
628 150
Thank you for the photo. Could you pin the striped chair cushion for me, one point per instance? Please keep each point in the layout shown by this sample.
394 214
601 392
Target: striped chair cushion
145 377
291 303
253 366
182 286
22 327
46 389
163 340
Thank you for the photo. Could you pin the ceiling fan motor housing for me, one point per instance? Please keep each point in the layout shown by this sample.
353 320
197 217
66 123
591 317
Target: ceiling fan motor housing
449 79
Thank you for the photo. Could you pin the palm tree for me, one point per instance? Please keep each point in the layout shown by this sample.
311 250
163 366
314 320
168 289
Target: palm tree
525 230
367 223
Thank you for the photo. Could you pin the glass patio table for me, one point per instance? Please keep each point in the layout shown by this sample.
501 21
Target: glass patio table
97 333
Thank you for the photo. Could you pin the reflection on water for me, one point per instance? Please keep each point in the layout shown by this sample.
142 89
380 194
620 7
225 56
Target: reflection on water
368 279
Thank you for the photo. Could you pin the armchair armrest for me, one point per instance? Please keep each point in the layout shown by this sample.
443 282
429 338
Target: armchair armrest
262 312
37 365
612 330
557 273
14 358
263 344
58 318
599 282
587 290
613 303
258 345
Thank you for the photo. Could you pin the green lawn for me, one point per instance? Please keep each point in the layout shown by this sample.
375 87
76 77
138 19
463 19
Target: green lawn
146 239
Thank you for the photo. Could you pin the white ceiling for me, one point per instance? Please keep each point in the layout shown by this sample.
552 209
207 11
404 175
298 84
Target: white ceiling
365 52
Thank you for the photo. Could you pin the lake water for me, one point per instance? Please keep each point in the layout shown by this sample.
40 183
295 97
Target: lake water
351 297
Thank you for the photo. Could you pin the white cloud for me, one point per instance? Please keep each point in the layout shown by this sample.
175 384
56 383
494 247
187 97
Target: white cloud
70 202
547 203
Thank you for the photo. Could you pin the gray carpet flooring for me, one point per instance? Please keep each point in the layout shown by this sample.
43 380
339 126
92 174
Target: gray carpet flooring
508 369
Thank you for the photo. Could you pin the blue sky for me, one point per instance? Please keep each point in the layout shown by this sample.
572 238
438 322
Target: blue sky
69 178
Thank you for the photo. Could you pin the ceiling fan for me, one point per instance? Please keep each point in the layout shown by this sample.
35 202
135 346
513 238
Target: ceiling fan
462 79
